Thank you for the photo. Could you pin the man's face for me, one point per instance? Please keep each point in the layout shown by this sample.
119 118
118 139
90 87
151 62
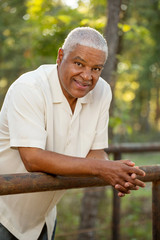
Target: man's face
79 71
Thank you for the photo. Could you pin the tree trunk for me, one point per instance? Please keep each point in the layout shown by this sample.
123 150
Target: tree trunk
114 46
112 37
89 210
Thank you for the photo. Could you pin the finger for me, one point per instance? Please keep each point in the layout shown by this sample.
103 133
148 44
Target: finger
136 167
131 186
121 194
129 163
139 183
137 171
134 181
122 189
133 176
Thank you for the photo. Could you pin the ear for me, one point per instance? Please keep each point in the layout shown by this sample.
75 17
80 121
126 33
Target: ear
60 55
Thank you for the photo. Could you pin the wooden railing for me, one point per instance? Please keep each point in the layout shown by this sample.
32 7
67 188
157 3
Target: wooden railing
152 175
38 182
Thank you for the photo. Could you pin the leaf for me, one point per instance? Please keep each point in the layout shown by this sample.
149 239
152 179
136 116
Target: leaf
65 18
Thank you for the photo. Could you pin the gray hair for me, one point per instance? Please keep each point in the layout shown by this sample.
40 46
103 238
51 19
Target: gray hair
85 36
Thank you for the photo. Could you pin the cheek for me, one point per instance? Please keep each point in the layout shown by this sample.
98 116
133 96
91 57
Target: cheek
74 69
95 79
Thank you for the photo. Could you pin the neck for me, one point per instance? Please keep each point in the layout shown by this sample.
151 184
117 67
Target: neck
72 104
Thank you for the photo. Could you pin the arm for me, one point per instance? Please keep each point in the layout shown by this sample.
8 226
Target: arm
115 173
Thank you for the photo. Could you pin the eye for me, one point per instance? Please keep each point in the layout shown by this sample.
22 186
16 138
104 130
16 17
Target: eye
79 64
97 69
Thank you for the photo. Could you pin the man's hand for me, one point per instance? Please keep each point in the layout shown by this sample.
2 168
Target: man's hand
129 185
122 175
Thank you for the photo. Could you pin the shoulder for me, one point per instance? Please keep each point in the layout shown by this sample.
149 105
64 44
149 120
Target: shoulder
28 85
34 81
36 76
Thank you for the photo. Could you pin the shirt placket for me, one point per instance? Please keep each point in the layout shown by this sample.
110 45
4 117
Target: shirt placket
71 147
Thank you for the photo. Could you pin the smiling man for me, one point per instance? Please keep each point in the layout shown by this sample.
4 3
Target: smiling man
55 120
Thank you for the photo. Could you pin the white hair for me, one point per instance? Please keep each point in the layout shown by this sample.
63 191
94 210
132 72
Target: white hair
85 36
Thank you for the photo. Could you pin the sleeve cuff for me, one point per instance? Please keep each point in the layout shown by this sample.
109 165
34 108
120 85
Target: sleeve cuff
26 143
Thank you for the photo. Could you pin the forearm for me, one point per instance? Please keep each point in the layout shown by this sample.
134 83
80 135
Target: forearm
38 160
115 173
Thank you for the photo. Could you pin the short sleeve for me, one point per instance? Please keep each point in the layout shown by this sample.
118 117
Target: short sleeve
26 117
101 135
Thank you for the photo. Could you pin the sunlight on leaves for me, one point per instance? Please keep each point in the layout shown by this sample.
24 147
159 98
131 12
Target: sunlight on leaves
65 18
134 85
83 9
6 32
84 22
49 21
34 7
124 27
3 82
10 42
100 23
128 96
122 66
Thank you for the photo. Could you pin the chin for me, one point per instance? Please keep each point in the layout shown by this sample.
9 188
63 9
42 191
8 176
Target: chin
80 94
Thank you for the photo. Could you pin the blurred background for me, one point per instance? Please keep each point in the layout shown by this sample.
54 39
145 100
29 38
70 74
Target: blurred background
31 31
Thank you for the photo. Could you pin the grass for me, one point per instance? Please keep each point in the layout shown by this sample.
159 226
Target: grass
136 217
143 158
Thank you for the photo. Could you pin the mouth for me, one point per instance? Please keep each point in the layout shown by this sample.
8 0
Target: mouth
82 84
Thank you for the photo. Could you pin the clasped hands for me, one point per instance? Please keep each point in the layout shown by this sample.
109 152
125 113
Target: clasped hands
123 176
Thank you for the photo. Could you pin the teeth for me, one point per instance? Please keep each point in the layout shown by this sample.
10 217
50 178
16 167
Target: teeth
83 84
80 84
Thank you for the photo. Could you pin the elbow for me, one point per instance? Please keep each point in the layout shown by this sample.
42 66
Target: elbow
29 166
29 158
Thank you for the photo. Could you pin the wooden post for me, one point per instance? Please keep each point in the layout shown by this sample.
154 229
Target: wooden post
116 208
156 210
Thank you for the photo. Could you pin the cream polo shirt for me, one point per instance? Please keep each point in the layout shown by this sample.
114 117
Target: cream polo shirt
35 113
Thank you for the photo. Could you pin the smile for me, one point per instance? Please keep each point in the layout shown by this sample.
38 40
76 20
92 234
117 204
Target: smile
82 84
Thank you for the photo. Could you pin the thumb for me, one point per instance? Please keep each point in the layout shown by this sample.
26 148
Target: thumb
129 163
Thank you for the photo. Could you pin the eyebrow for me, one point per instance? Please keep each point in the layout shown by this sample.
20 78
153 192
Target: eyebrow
81 59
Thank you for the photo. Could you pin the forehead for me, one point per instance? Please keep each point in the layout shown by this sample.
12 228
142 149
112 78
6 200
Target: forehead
88 55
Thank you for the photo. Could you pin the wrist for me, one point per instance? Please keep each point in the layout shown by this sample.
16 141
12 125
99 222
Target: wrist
97 167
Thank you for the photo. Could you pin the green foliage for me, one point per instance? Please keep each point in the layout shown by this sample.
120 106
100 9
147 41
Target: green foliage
13 42
138 84
32 32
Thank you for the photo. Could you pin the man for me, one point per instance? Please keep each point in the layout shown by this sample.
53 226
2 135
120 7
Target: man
55 120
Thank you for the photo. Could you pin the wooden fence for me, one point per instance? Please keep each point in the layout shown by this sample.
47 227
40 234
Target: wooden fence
152 175
38 182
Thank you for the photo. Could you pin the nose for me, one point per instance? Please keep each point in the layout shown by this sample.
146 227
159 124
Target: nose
86 74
